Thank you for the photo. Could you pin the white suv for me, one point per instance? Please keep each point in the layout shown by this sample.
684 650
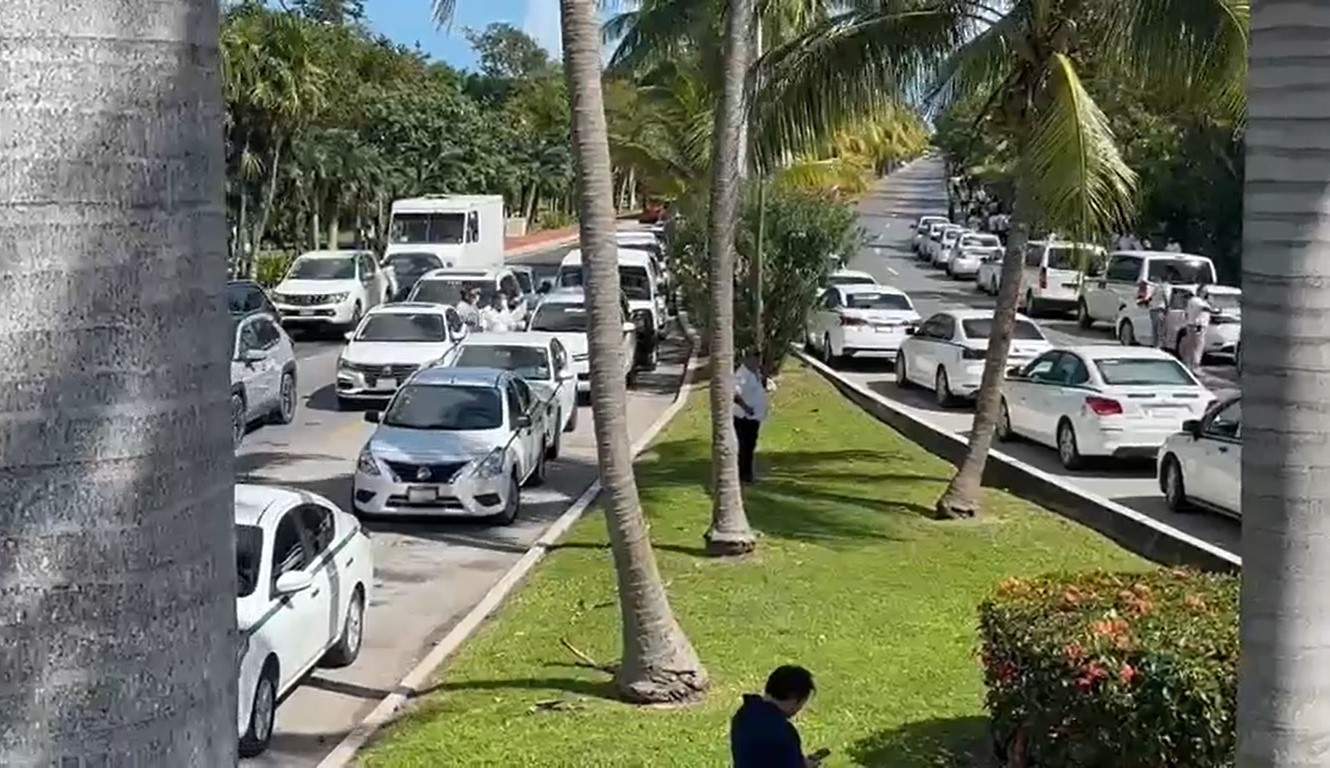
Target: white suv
390 344
332 288
1129 275
263 373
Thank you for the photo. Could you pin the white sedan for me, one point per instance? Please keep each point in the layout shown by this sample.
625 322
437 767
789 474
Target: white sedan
390 344
1100 401
860 319
947 353
939 247
305 573
850 277
1202 464
1221 338
921 228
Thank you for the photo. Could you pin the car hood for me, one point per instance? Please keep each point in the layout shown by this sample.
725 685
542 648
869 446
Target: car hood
307 287
434 446
390 352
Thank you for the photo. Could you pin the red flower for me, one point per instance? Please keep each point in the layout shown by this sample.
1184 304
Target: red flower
1128 674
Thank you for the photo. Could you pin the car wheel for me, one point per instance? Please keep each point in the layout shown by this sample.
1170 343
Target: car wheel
344 653
537 477
572 420
1127 334
902 380
514 505
552 452
286 400
262 712
1175 490
1083 318
1068 451
942 388
1003 430
238 420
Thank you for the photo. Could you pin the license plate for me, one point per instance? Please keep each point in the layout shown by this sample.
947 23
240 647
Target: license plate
387 384
1165 411
887 329
304 312
422 495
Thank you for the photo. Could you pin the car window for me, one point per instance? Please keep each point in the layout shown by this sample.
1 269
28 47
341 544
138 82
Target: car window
982 328
1178 298
946 327
472 227
1034 255
249 556
524 281
454 321
1070 370
288 547
1144 372
249 339
528 362
1226 423
318 525
367 268
413 263
830 299
932 327
523 394
403 327
1124 269
1181 270
243 298
445 407
515 408
861 300
266 333
508 285
1041 368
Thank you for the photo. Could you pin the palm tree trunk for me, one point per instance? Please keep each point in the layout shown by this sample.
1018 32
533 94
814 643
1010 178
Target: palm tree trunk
334 231
266 211
729 533
659 663
119 625
963 497
759 305
1284 672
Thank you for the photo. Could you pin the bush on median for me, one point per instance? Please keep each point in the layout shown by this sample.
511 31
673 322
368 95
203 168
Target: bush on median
1105 669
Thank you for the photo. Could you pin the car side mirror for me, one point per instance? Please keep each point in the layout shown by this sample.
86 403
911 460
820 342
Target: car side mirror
292 582
254 355
566 375
1014 371
523 421
629 327
910 330
349 335
1192 427
373 417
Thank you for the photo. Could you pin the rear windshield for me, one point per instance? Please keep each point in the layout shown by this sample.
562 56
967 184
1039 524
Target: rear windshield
1181 271
987 241
633 281
527 362
249 553
450 291
559 317
1136 372
427 406
850 280
403 327
1226 302
1072 258
877 301
413 263
981 328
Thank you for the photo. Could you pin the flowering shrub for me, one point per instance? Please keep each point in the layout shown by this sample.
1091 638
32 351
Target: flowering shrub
1120 670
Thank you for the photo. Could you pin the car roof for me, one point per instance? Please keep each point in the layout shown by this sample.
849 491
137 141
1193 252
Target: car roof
1161 255
1117 352
331 254
437 375
632 257
1067 244
252 501
464 273
565 295
644 235
933 216
408 308
513 339
865 288
975 314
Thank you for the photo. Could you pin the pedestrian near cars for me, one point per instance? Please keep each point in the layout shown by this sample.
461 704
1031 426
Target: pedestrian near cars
497 318
761 734
469 308
750 410
1198 314
1159 298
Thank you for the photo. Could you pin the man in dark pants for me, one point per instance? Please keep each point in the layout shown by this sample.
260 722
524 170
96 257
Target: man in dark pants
750 410
761 735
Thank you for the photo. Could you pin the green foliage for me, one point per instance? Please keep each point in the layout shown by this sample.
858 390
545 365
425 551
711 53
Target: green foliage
271 266
1112 670
507 52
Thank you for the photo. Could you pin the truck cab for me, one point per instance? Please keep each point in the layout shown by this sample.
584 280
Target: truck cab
461 231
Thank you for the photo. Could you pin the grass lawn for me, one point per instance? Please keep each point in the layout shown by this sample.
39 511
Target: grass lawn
851 580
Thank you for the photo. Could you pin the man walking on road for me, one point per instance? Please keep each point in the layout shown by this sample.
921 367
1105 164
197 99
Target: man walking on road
750 410
1159 298
1198 323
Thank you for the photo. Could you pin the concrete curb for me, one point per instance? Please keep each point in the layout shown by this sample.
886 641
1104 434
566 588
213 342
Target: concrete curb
1139 533
415 680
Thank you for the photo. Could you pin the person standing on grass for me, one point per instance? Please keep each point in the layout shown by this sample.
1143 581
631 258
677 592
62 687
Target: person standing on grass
750 410
761 734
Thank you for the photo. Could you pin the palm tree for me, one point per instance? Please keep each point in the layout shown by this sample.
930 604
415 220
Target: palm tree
658 662
1019 63
117 529
1284 672
729 532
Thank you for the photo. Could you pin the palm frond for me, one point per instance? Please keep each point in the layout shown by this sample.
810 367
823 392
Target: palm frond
660 30
1197 50
837 176
1071 168
443 12
981 64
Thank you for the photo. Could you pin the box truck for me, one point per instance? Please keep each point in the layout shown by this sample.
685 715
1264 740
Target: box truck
459 230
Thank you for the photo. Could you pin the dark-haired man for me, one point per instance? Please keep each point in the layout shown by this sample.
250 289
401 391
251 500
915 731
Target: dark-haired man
761 734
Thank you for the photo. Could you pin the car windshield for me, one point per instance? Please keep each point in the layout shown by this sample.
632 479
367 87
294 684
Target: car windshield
243 298
527 362
980 252
249 554
449 291
323 268
413 263
850 280
560 317
876 301
1067 257
982 327
633 281
1137 372
1226 302
1181 270
433 406
441 228
403 327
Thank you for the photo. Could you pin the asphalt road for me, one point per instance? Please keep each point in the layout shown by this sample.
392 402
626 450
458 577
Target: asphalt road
886 214
428 573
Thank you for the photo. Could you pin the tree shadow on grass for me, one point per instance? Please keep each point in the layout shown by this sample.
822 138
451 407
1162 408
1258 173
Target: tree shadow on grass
958 742
580 687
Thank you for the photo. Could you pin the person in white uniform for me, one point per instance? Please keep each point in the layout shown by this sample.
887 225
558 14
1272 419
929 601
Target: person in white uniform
750 410
1160 296
1198 322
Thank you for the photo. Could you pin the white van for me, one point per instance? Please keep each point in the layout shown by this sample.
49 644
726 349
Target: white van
1051 277
638 281
462 231
1127 275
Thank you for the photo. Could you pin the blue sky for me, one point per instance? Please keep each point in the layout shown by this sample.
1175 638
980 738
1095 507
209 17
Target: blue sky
408 22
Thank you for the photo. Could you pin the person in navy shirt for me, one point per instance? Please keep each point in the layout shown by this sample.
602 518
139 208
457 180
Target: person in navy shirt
761 734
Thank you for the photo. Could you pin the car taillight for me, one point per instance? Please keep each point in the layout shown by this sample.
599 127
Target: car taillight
1103 406
852 320
973 354
1043 277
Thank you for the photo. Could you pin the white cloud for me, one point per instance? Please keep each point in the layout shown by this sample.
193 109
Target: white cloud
542 23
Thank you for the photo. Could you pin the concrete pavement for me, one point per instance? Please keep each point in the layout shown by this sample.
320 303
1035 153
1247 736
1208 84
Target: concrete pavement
428 573
886 214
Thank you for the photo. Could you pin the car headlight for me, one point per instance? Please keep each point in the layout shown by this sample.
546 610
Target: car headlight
338 298
366 463
279 297
490 466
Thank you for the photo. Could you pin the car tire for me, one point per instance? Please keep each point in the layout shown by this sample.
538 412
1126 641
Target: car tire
1069 453
902 379
239 420
1174 487
572 420
552 450
347 648
285 412
262 713
1126 334
1083 318
942 388
537 477
1003 430
509 514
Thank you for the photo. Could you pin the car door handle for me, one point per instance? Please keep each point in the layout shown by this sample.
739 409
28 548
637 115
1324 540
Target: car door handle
1223 449
314 592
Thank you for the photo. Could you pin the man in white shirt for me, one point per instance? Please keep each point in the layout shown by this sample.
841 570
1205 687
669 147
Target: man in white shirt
468 308
750 410
496 318
1160 295
1198 323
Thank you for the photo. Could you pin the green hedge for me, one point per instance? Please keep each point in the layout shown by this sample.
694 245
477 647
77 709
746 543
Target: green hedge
1120 670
